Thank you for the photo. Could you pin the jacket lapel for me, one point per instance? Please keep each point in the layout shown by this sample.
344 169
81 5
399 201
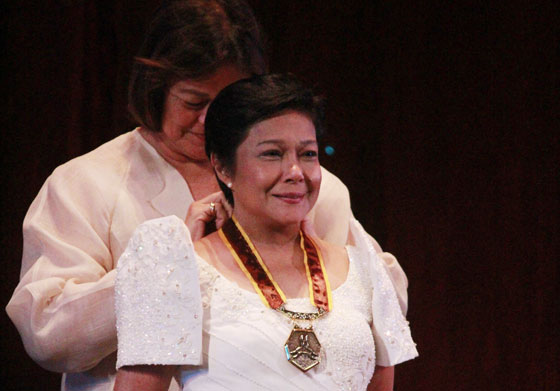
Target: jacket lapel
167 191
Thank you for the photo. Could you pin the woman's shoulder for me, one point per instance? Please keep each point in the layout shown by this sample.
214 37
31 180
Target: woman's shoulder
161 240
100 170
169 226
214 252
105 155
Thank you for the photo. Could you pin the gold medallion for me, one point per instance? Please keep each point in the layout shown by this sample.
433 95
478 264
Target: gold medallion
303 348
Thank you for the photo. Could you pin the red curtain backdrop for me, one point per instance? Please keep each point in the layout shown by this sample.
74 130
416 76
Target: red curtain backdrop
444 121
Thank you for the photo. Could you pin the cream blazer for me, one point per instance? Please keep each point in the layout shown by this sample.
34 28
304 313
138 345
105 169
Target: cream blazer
77 228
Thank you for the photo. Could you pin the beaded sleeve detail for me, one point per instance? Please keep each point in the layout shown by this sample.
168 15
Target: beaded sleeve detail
157 297
390 328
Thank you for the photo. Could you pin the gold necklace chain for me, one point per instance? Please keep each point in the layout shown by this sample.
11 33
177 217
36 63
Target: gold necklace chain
310 316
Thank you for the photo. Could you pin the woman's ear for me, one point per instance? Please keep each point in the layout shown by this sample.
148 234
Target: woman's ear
221 171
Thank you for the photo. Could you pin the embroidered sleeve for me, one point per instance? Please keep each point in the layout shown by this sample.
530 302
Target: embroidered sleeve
397 276
391 332
157 297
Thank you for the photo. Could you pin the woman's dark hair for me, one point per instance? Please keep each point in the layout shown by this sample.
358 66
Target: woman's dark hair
191 39
246 102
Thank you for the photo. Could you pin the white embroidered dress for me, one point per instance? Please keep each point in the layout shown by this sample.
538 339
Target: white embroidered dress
174 308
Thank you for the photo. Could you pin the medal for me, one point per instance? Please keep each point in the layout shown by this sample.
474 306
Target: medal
302 348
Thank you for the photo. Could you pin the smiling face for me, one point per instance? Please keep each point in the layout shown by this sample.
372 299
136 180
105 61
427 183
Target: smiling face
182 135
276 177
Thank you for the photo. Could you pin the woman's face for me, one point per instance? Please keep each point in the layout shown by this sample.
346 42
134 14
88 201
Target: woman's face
277 175
185 111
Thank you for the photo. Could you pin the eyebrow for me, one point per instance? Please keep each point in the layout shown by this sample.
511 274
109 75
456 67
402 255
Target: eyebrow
274 141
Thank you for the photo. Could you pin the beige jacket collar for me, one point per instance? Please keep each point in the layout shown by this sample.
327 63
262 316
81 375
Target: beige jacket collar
168 193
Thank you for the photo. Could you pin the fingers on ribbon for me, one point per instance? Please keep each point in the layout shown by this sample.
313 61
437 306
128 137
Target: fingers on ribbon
223 211
221 217
213 207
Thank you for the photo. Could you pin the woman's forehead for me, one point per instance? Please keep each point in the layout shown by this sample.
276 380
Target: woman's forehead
289 125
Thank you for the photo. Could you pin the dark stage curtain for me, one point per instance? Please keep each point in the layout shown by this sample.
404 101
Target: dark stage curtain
444 121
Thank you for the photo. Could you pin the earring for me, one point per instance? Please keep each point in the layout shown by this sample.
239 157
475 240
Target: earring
229 185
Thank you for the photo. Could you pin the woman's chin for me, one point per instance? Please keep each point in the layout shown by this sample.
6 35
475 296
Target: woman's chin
289 221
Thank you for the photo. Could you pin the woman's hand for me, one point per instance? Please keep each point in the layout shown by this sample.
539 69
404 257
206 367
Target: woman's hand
206 212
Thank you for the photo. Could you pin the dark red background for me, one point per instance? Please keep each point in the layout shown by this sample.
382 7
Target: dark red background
444 118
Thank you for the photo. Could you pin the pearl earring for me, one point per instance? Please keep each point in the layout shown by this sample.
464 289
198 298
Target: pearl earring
229 185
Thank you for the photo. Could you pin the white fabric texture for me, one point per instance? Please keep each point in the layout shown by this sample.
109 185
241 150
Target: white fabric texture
241 341
75 231
151 277
389 326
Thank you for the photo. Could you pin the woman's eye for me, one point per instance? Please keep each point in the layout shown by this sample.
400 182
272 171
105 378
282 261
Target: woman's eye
272 153
195 105
310 154
192 103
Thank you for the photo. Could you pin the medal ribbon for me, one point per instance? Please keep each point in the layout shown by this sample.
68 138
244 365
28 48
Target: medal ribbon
251 263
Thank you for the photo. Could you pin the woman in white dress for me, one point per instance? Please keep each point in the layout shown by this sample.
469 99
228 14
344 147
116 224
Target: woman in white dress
261 304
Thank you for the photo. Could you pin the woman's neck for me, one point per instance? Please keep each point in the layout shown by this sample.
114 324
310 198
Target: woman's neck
198 174
281 252
268 236
200 179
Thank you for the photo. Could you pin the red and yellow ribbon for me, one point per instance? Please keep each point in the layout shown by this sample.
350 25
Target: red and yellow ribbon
251 263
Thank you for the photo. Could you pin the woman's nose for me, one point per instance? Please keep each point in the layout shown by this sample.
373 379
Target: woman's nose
295 173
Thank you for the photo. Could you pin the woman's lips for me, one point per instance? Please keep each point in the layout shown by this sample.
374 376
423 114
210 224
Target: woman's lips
290 198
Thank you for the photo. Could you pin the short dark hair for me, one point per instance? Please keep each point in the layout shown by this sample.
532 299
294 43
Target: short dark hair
247 102
191 39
